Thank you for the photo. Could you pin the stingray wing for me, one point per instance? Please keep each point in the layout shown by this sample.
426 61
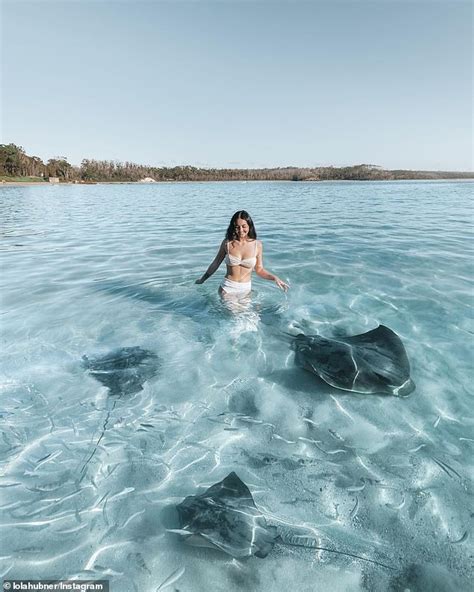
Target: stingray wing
383 357
372 362
330 359
226 516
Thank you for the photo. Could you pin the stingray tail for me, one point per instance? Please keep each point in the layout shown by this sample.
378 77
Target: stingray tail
309 542
92 452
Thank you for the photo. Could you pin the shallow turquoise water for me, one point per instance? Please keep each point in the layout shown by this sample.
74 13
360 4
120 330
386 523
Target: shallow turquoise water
88 269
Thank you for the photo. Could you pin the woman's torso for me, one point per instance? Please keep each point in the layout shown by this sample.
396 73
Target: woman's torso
240 260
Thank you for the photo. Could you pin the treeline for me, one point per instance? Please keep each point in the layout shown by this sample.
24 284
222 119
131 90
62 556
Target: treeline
14 162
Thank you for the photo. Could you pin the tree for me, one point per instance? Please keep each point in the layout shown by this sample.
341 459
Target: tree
11 159
58 167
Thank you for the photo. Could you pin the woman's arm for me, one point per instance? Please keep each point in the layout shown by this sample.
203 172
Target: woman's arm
214 266
266 275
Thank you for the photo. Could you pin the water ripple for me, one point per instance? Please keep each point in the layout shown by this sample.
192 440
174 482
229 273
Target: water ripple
90 269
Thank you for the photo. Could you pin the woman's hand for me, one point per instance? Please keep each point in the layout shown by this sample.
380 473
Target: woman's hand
281 284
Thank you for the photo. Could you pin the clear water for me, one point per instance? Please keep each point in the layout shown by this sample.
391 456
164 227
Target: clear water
88 269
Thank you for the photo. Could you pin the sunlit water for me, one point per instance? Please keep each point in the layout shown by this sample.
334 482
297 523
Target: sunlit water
89 269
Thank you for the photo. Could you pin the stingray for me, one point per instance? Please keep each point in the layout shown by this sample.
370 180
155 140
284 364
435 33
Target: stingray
225 517
372 362
124 372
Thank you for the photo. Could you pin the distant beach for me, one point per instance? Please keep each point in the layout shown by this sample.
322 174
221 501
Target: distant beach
16 166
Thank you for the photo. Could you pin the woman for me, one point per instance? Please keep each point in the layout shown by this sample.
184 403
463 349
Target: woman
242 252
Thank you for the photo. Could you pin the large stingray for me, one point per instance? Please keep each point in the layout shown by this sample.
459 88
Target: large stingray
225 517
372 362
123 371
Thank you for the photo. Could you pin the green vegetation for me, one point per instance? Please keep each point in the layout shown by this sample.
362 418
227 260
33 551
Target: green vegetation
16 165
21 179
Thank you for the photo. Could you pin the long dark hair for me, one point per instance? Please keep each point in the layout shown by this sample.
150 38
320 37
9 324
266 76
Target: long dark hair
243 215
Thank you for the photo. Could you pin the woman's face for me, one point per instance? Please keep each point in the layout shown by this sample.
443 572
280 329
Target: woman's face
241 228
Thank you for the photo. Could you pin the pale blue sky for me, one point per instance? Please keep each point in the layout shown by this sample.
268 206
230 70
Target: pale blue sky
240 83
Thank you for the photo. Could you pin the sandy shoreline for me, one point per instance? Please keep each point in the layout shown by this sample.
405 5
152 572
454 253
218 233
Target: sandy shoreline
22 183
45 184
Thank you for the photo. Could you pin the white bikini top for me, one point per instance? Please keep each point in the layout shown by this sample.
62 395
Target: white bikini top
233 261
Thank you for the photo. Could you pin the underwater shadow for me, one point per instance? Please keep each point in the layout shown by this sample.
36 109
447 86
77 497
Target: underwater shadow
178 299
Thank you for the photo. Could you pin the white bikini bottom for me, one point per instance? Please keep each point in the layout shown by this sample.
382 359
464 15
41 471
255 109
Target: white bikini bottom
236 288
